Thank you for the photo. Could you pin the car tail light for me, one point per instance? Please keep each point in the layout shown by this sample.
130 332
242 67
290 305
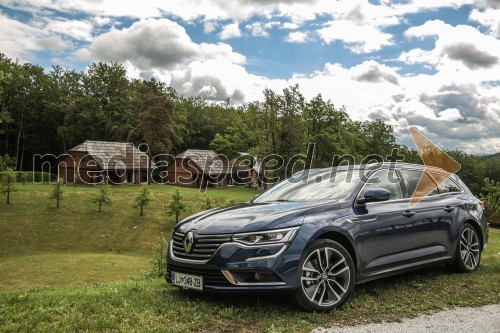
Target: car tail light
482 204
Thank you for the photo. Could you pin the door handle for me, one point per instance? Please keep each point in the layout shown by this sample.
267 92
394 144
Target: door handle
409 213
449 209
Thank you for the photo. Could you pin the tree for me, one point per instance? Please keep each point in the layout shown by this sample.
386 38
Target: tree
177 206
104 194
57 191
491 197
8 183
155 119
207 204
143 198
7 162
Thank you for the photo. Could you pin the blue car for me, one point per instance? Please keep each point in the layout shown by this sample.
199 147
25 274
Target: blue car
322 231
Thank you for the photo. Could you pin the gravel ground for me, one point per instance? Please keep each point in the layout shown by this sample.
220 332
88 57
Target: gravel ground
485 319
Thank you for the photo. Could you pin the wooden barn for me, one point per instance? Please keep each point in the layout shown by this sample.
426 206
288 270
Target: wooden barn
199 168
90 161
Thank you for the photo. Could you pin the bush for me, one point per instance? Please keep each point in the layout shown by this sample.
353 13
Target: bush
158 264
32 176
490 194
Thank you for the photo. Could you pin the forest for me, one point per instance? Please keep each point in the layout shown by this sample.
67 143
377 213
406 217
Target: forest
48 112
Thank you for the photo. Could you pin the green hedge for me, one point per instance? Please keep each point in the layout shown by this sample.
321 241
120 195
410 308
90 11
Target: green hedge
30 176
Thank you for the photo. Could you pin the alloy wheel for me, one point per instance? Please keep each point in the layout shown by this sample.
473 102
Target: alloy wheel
469 248
325 277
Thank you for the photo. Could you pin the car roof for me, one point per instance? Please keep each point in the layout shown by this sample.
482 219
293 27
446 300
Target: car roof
383 165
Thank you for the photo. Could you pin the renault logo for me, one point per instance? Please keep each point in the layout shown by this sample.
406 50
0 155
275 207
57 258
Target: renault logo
188 241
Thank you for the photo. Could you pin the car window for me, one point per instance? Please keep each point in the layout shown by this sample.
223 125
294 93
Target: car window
386 179
411 180
449 186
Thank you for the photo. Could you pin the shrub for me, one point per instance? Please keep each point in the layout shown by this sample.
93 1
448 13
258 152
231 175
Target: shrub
490 194
104 195
8 183
143 198
177 206
57 191
158 263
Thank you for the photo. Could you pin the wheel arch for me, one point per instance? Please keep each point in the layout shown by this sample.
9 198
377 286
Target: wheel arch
342 240
476 227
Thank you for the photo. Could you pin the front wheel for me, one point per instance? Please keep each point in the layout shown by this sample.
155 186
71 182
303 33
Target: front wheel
468 250
327 277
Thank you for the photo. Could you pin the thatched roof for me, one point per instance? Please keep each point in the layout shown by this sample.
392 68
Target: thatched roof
114 155
208 161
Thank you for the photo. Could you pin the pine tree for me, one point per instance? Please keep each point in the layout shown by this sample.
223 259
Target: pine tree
57 191
104 195
143 198
177 206
8 183
207 205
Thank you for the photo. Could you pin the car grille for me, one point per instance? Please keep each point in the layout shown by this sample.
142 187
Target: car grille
210 277
203 247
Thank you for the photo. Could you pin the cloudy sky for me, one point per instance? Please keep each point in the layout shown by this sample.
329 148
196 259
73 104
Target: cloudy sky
433 64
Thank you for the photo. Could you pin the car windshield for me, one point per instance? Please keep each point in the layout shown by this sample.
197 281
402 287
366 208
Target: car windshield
326 185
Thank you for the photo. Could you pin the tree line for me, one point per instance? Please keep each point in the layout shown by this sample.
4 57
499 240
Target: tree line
49 112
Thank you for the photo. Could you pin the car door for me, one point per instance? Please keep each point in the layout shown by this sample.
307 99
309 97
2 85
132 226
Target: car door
387 230
435 231
434 213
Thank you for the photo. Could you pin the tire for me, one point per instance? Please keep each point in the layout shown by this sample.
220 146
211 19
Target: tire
468 250
327 277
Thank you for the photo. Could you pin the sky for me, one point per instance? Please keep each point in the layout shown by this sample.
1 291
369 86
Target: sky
430 64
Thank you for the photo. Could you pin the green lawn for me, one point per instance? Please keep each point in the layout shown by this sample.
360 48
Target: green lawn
58 270
67 269
31 223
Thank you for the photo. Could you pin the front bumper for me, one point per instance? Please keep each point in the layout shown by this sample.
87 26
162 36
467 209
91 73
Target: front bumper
233 267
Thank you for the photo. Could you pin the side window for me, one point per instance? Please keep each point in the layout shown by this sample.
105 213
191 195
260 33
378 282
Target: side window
411 179
449 186
386 179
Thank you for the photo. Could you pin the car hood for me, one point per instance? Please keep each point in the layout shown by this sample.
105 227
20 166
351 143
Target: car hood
249 217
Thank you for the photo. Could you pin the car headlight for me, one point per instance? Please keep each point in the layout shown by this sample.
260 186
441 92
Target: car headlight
266 237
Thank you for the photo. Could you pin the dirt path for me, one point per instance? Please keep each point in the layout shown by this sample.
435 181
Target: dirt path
485 319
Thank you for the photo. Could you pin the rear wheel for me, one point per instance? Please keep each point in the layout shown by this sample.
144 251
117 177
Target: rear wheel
326 278
468 251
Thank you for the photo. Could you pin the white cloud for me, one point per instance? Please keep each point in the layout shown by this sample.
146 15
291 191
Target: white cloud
156 43
102 21
257 29
358 38
298 37
79 30
462 52
290 26
20 40
489 18
209 27
230 31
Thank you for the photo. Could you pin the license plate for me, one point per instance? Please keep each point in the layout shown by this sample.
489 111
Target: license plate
187 281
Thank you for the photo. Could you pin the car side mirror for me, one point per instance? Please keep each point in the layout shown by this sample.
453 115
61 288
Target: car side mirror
375 194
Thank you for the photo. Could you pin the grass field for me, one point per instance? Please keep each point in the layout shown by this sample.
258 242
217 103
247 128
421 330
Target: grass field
69 270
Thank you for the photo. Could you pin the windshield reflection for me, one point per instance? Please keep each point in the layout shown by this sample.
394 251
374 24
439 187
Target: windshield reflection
312 187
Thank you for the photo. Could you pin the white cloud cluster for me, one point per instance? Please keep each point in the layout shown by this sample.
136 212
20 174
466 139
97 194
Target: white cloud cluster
230 31
156 44
359 38
456 97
